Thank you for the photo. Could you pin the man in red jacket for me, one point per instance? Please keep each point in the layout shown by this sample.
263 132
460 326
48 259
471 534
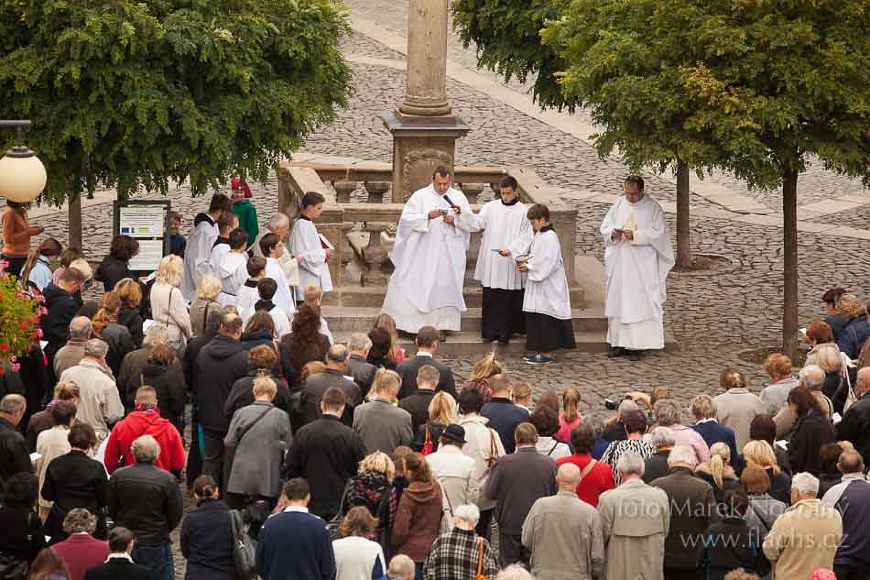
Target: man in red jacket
145 420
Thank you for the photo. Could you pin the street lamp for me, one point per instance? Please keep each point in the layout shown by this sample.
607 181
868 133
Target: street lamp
22 174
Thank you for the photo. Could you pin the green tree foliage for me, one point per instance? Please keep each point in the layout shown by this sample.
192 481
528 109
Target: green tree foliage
125 92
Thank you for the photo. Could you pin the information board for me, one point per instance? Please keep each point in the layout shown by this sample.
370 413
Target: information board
148 222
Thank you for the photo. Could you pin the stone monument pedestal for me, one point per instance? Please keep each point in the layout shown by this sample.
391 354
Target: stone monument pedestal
420 145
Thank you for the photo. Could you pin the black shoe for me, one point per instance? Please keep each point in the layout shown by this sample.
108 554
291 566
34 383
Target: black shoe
616 351
503 341
538 359
635 355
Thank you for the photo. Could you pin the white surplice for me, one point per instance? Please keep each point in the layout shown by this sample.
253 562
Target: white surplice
287 261
247 297
233 273
218 252
429 259
504 226
311 256
547 284
283 298
197 253
279 318
636 274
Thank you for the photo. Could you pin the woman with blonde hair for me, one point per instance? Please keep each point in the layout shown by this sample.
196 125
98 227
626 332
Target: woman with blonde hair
484 369
384 321
129 292
206 305
717 471
168 307
372 487
856 330
761 454
442 412
105 325
570 416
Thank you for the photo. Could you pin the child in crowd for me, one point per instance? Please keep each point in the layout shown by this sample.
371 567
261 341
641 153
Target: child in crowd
248 292
570 416
309 248
37 268
177 242
266 289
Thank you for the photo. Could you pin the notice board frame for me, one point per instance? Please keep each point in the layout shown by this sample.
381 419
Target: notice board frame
162 235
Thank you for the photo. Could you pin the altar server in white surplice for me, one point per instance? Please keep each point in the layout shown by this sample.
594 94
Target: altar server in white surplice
232 269
273 249
200 243
637 258
249 290
547 303
507 234
429 258
307 247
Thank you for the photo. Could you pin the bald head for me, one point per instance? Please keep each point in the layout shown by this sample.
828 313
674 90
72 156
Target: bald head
863 382
568 477
80 328
850 462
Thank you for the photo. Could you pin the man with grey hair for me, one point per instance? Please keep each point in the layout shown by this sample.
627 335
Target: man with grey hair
99 404
135 361
147 500
455 553
81 550
401 568
812 377
855 426
851 498
662 440
807 535
14 457
635 519
692 508
279 224
563 533
73 351
362 371
668 414
332 376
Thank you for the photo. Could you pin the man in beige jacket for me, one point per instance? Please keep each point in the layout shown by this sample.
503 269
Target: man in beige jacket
807 535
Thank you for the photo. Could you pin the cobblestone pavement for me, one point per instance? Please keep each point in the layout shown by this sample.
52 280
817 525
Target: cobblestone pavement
713 316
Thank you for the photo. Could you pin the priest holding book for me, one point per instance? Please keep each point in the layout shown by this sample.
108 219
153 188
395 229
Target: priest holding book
637 258
429 258
507 234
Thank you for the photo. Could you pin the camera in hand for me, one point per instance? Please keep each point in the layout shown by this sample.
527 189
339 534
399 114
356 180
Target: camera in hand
612 403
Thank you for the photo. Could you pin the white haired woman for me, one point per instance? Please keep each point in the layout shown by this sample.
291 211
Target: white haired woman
460 553
168 307
206 305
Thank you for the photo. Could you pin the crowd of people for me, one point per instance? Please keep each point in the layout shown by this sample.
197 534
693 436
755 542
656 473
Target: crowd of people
356 460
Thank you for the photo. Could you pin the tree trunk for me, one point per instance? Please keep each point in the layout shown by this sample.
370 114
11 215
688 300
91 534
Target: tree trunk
75 220
684 234
790 264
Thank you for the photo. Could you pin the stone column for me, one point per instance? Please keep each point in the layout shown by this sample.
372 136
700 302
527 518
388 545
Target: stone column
423 127
426 90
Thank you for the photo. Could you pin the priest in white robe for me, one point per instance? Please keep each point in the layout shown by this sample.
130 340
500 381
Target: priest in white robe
507 233
547 302
429 258
232 269
308 248
200 243
637 258
273 249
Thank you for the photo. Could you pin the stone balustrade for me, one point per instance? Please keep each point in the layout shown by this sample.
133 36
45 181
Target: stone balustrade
359 217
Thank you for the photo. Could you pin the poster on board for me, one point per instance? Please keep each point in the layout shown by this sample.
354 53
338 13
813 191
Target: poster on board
148 222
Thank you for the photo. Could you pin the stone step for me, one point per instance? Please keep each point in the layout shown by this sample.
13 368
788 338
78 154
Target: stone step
373 296
469 344
346 319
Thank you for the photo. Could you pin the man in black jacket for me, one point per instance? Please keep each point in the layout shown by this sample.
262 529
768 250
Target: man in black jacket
362 371
333 376
427 346
119 564
417 403
14 457
326 453
62 307
218 365
855 426
146 500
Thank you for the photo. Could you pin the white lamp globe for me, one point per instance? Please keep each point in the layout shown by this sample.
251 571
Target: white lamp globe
22 175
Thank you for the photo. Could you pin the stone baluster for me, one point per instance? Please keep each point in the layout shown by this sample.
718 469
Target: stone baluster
471 191
376 190
375 255
343 189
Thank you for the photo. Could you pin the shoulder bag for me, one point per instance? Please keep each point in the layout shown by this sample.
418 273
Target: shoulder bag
334 525
446 511
493 449
244 549
480 549
428 446
231 453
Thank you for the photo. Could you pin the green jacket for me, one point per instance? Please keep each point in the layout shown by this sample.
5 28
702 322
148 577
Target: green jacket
247 218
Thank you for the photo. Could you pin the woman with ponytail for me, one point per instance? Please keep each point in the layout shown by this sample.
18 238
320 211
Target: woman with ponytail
207 535
570 416
105 326
718 471
36 272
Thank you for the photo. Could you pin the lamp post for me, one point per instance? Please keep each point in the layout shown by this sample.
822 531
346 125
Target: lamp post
22 174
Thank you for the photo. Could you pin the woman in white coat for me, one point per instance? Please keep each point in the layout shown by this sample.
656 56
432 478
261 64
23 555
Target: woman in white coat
357 557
